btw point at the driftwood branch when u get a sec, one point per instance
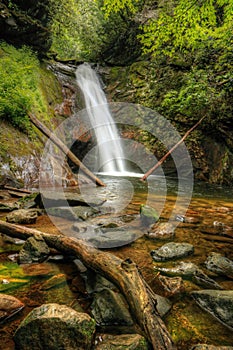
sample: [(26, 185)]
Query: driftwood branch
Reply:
[(65, 149), (123, 273), (160, 162)]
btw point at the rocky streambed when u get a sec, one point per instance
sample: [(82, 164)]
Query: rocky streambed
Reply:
[(187, 261)]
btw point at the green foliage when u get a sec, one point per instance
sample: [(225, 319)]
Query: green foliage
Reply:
[(116, 6), (77, 30), (188, 26), (19, 94)]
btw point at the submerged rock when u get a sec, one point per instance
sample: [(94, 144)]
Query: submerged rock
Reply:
[(79, 213), (219, 264), (59, 199), (114, 237), (9, 306), (171, 285), (217, 303), (148, 215), (22, 216), (34, 250), (53, 327), (191, 272), (121, 342), (161, 231), (172, 250)]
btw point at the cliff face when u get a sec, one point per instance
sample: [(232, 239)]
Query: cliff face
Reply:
[(25, 23)]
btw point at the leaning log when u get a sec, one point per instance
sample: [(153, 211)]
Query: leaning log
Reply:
[(65, 149), (124, 274)]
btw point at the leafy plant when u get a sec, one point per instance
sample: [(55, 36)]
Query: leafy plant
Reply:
[(19, 92)]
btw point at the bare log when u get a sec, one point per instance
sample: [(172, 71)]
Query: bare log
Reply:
[(65, 149), (160, 162), (123, 273)]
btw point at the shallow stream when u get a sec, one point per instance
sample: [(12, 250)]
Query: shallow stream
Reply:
[(58, 280)]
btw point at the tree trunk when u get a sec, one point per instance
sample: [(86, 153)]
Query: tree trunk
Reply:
[(124, 274), (65, 149)]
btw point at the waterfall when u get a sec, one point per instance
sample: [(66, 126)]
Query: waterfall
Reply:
[(110, 152)]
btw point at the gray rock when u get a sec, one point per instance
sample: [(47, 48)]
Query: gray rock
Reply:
[(148, 215), (115, 237), (122, 342), (172, 250), (79, 213), (34, 250), (217, 303), (109, 308), (163, 305), (22, 216), (219, 264), (59, 199), (9, 306), (161, 231), (191, 272), (210, 347), (53, 327)]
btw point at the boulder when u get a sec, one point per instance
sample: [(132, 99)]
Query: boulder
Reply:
[(79, 213), (9, 306), (189, 271), (148, 215), (217, 303), (109, 308), (61, 199), (122, 342), (161, 231), (22, 216), (34, 250), (172, 250), (53, 326), (219, 264)]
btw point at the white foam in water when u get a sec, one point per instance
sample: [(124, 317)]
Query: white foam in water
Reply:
[(120, 173)]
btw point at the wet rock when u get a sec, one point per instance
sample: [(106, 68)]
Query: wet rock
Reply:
[(191, 272), (163, 305), (22, 216), (109, 308), (210, 347), (12, 240), (54, 326), (171, 285), (121, 342), (219, 264), (54, 281), (148, 215), (188, 219), (79, 213), (9, 206), (9, 306), (34, 250), (217, 303), (172, 250), (115, 237), (161, 231), (59, 199)]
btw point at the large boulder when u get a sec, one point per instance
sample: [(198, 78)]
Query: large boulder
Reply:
[(34, 250), (53, 327)]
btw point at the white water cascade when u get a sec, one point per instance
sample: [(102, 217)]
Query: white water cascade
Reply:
[(110, 152)]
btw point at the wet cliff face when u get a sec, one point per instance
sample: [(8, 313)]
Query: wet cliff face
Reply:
[(210, 145), (25, 23)]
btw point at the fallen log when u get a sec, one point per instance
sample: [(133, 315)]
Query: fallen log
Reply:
[(65, 149), (124, 274), (160, 162)]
